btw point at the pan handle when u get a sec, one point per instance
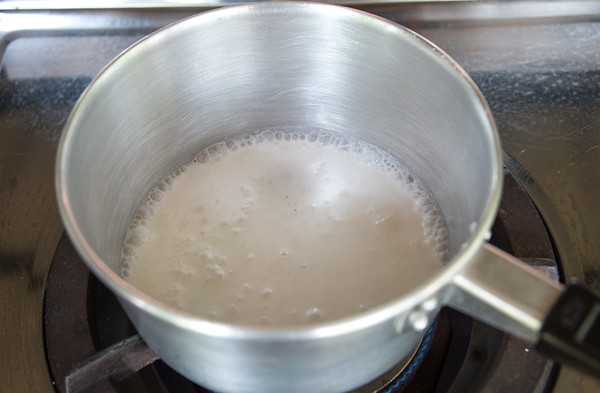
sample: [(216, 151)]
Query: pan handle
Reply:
[(571, 332), (563, 323)]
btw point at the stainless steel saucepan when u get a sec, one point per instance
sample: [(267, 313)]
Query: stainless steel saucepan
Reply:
[(303, 66)]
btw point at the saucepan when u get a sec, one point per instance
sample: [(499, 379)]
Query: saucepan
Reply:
[(304, 66)]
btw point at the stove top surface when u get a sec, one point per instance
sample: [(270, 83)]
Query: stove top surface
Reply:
[(536, 63)]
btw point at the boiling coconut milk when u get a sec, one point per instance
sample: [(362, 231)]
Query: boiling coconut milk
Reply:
[(284, 229)]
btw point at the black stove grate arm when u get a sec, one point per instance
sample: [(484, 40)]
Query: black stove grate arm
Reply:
[(115, 363)]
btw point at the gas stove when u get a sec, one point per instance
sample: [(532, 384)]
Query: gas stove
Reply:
[(537, 65)]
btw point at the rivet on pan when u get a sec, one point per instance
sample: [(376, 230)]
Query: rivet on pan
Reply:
[(419, 320), (429, 304)]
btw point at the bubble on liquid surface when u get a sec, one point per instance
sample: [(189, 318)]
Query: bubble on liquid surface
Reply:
[(136, 236), (267, 292), (314, 314), (183, 267)]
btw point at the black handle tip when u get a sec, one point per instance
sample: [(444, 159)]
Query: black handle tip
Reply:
[(571, 331)]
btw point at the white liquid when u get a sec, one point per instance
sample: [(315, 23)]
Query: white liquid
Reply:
[(267, 230)]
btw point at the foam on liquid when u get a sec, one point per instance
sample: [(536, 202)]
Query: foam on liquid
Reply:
[(284, 229)]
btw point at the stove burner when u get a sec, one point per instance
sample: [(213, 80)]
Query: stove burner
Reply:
[(92, 347)]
